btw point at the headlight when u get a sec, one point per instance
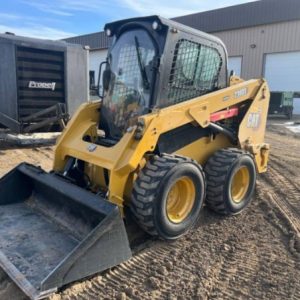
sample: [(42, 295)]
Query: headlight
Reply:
[(155, 25)]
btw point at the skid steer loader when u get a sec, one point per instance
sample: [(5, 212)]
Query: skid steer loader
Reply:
[(171, 132)]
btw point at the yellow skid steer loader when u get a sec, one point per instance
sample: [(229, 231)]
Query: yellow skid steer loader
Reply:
[(172, 131)]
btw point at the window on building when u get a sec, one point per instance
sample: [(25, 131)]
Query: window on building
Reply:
[(235, 65), (92, 79), (194, 72)]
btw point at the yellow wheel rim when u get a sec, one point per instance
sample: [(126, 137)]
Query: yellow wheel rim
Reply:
[(180, 199), (240, 184)]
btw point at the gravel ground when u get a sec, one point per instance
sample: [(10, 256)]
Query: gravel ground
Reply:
[(254, 255)]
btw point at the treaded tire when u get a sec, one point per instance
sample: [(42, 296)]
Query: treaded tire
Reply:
[(150, 192), (220, 170)]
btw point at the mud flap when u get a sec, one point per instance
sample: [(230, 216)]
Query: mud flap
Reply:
[(53, 232)]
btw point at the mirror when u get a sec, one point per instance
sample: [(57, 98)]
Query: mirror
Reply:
[(100, 76), (106, 77)]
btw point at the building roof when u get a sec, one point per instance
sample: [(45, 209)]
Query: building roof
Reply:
[(243, 15), (23, 40), (228, 18), (97, 40)]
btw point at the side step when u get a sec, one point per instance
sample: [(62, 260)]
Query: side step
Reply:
[(53, 232)]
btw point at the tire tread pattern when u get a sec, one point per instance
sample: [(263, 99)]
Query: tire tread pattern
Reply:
[(216, 170), (146, 186)]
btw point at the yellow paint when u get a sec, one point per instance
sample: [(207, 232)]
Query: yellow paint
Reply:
[(201, 114), (240, 184), (252, 129), (180, 199), (124, 160), (203, 148)]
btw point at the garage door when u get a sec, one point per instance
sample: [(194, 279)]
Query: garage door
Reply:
[(282, 71), (297, 106), (235, 64)]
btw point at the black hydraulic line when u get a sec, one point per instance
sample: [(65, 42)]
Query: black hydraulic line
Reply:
[(218, 128)]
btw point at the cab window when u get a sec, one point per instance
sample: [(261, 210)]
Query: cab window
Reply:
[(195, 71)]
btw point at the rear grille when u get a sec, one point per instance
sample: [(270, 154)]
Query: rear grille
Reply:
[(40, 80)]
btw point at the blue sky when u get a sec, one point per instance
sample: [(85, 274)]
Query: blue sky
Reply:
[(56, 19)]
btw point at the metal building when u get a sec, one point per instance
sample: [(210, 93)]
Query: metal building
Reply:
[(262, 38), (41, 80)]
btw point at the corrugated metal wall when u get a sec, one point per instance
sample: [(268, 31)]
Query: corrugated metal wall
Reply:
[(272, 38), (279, 37)]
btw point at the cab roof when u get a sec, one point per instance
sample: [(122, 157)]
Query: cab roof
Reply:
[(116, 26)]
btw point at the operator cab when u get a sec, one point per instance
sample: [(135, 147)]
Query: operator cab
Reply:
[(194, 64)]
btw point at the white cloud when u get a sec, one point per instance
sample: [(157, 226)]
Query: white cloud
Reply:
[(60, 10), (48, 8), (69, 7), (170, 9), (9, 17), (162, 8), (32, 26), (37, 31), (117, 9)]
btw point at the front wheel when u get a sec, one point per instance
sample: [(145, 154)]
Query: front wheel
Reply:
[(231, 178), (289, 113), (168, 195)]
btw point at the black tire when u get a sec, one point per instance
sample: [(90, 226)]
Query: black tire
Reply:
[(151, 190), (220, 170), (289, 113)]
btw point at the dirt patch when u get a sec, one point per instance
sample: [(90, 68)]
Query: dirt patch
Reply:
[(242, 257), (254, 255), (281, 126), (39, 156), (8, 290)]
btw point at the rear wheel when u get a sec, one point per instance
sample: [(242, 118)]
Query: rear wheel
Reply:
[(168, 195), (231, 177), (289, 113)]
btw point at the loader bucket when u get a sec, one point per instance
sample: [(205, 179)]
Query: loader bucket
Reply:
[(52, 232)]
